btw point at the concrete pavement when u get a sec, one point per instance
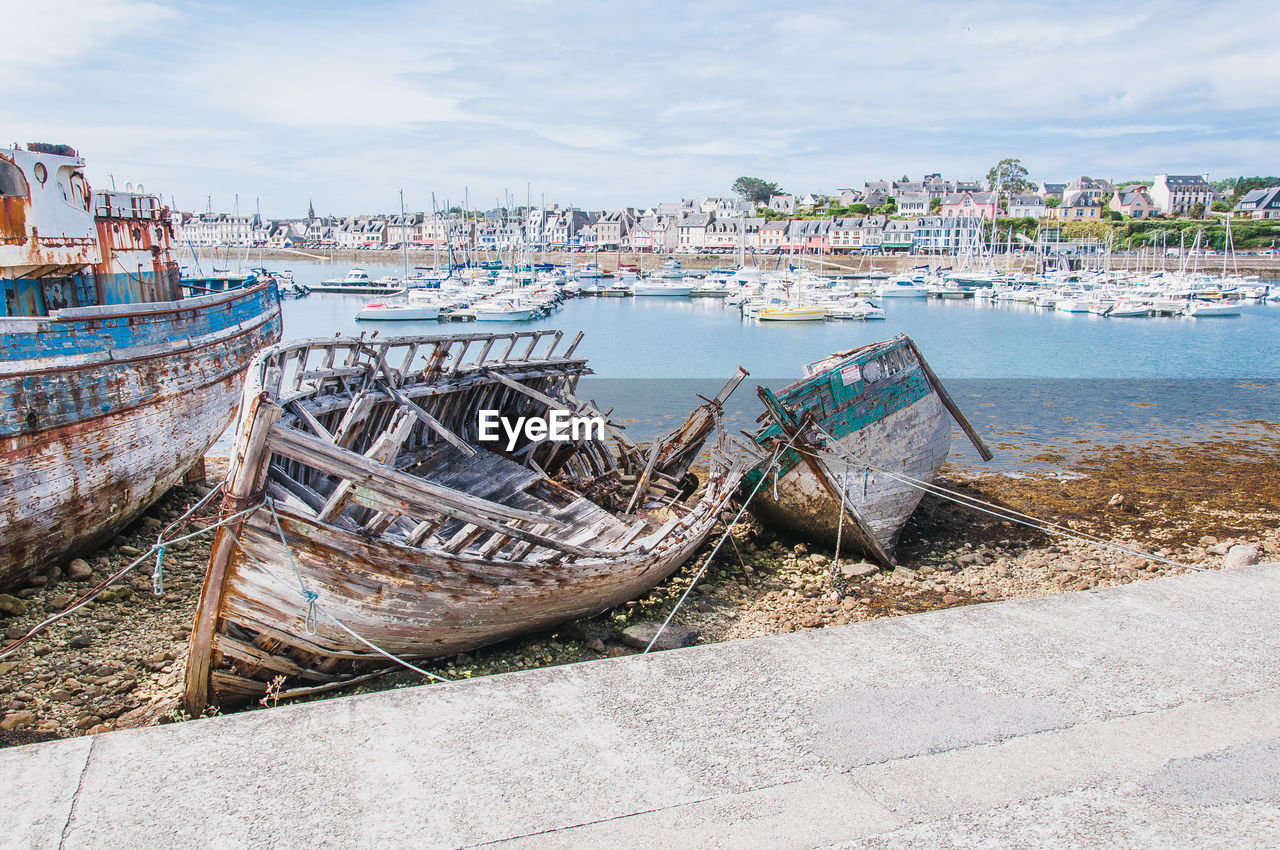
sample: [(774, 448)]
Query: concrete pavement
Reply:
[(1135, 716)]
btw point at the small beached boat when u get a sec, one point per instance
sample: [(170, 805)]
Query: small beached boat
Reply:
[(412, 532), (865, 427), (112, 385)]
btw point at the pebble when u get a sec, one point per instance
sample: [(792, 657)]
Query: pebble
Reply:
[(861, 569), (79, 570), (1240, 555), (950, 599), (88, 721), (17, 720), (12, 606), (81, 642), (673, 636), (1218, 549)]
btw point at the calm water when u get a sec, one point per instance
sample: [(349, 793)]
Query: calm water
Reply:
[(1023, 376)]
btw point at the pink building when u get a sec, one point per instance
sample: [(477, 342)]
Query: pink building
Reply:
[(970, 205)]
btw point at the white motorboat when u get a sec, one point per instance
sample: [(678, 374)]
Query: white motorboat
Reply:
[(382, 311), (358, 282), (503, 310), (661, 287), (904, 287), (1205, 309)]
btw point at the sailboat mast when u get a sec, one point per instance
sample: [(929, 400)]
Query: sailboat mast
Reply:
[(404, 238)]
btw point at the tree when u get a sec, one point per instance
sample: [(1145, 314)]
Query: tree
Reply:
[(935, 205), (1244, 185), (755, 190), (1221, 206), (1053, 203), (1197, 210), (859, 209), (1010, 175)]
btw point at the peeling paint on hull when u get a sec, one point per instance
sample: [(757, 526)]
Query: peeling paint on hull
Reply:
[(881, 408), (96, 429)]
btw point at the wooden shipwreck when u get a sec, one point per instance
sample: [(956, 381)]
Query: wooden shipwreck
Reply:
[(112, 385), (376, 500), (862, 431)]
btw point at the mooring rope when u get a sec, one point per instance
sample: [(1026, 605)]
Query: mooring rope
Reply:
[(764, 475), (157, 549), (998, 511)]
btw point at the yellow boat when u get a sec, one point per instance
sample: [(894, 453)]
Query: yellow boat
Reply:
[(792, 313)]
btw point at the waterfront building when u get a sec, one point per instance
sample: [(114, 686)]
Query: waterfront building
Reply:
[(872, 232), (692, 233), (772, 235), (898, 236), (1176, 194), (1133, 201), (1260, 204), (1079, 209), (1095, 190), (783, 204), (913, 203), (613, 227), (947, 235), (722, 234), (1051, 191), (1026, 206), (845, 235), (404, 228), (967, 204)]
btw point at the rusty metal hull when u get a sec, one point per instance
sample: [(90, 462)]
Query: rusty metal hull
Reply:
[(103, 409), (853, 433), (411, 532)]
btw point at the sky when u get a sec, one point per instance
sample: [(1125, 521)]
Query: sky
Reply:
[(603, 105)]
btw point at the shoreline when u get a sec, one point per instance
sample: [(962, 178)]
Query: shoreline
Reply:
[(120, 662), (1266, 267)]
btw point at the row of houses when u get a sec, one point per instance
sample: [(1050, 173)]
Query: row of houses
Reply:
[(692, 225)]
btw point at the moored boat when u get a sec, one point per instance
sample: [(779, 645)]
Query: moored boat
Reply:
[(791, 313), (383, 518), (112, 385), (661, 287), (358, 282), (390, 311), (862, 431)]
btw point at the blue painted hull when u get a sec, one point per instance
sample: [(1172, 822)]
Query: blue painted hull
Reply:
[(102, 409)]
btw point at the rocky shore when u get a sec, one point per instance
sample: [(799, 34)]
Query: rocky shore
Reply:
[(119, 662)]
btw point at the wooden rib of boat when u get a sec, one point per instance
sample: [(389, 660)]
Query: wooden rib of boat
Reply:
[(854, 416), (112, 386), (414, 533)]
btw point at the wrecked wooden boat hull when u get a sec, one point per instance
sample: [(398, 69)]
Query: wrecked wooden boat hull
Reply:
[(111, 385), (95, 426), (859, 424), (373, 492)]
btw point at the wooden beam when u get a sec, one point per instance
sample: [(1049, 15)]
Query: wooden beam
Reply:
[(430, 421)]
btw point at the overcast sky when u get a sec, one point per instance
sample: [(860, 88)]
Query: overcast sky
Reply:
[(611, 104)]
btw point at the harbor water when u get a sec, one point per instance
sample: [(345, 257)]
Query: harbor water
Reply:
[(1025, 377)]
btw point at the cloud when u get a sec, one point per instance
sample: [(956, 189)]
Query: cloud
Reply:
[(601, 105)]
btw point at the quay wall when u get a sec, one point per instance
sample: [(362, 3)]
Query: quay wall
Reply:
[(1266, 267)]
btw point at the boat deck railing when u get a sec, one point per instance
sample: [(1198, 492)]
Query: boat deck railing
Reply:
[(287, 369)]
